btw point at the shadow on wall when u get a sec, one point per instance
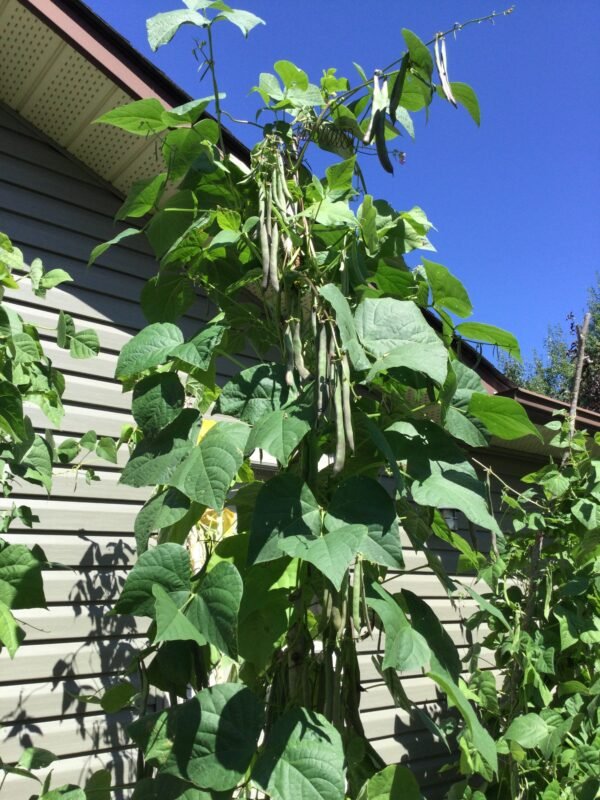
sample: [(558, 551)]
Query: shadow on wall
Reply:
[(90, 663)]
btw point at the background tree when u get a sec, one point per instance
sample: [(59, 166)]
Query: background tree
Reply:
[(551, 371)]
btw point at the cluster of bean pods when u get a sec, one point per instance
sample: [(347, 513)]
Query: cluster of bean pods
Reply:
[(333, 391), (274, 201)]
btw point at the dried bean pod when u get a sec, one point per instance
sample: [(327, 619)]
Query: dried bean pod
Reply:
[(346, 402), (322, 389)]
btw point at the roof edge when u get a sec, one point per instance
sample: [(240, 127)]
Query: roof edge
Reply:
[(114, 56), (541, 408)]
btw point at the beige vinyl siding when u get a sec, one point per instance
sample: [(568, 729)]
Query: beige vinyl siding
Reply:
[(55, 209)]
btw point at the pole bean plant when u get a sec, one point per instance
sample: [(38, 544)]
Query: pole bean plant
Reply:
[(354, 376), (261, 586)]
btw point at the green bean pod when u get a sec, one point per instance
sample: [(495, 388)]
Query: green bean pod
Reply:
[(346, 402), (322, 392), (274, 258), (264, 239), (357, 596), (289, 356), (298, 356), (340, 443)]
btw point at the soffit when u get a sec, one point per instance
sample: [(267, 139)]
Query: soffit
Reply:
[(58, 91)]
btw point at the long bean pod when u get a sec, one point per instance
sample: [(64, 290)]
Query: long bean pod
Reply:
[(274, 257), (357, 596), (346, 402), (340, 434), (322, 392), (289, 356), (264, 238), (298, 356)]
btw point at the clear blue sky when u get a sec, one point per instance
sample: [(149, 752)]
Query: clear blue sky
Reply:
[(515, 202)]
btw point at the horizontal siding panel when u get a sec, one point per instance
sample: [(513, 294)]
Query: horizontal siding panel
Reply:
[(64, 515), (80, 549), (69, 484), (77, 622), (76, 770), (40, 662), (78, 420), (68, 736), (83, 586), (48, 698)]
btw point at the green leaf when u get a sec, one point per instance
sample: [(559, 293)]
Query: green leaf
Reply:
[(587, 512), (198, 351), (488, 607), (480, 332), (448, 487), (106, 448), (11, 635), (447, 291), (502, 416), (190, 112), (339, 179), (151, 347), (166, 565), (84, 344), (419, 53), (461, 427), (172, 625), (157, 401), (363, 501), (396, 332), (481, 738), (253, 393), (331, 554), (444, 657), (303, 758), (162, 27), (167, 296), (215, 607), (21, 584), (51, 279), (405, 648), (38, 463), (117, 697), (142, 197), (244, 20), (285, 506), (465, 95), (36, 758), (102, 248), (392, 783), (208, 471), (155, 460), (11, 411), (279, 433), (142, 117), (346, 325), (65, 328), (164, 509), (183, 147), (529, 730), (97, 786), (215, 736)]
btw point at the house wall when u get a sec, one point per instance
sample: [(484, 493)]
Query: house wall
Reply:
[(53, 208)]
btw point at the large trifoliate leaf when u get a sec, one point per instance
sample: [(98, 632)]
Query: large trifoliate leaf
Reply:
[(346, 325), (285, 506), (208, 471), (447, 291), (21, 584), (331, 554), (498, 337), (161, 28), (215, 607), (528, 730), (502, 416), (405, 647), (140, 117), (151, 347), (198, 352), (461, 427), (253, 393), (215, 736), (155, 460), (163, 509), (444, 656), (172, 625), (166, 565), (157, 401), (279, 433), (303, 758), (364, 501), (397, 334), (392, 783)]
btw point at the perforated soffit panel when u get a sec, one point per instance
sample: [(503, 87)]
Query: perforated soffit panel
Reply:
[(58, 91)]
